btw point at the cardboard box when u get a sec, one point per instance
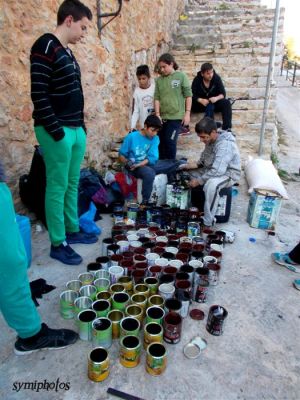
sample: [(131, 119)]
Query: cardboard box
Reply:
[(263, 209)]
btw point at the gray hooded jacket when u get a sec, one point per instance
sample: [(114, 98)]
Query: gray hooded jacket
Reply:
[(221, 158)]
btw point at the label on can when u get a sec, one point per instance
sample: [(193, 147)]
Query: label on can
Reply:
[(201, 293), (193, 229)]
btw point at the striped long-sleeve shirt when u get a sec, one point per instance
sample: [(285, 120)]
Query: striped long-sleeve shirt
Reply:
[(56, 89)]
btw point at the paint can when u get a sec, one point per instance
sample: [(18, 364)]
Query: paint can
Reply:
[(172, 325), (201, 293), (214, 274), (106, 295), (104, 261), (113, 249), (98, 364), (185, 298), (93, 267), (139, 299), (188, 269), (102, 307), (153, 332), (115, 272), (152, 284), (130, 351), (81, 303), (102, 284), (124, 245), (155, 314), (106, 242), (116, 259), (120, 301), (101, 273), (89, 291), (116, 288), (141, 288), (127, 282), (102, 332), (86, 278), (85, 320), (156, 300), (115, 316), (136, 311), (156, 359), (67, 299), (193, 229), (173, 305), (132, 210), (75, 285), (215, 320), (166, 290), (129, 326)]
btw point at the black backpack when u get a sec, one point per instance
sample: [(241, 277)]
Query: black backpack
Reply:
[(32, 186)]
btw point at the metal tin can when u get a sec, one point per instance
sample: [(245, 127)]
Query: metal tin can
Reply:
[(139, 299), (102, 307), (106, 295), (132, 210), (74, 285), (156, 300), (102, 332), (133, 310), (98, 364), (67, 299), (130, 351), (129, 326), (127, 282), (193, 229), (89, 291), (81, 303), (142, 288), (85, 320), (201, 292), (156, 359), (153, 332), (102, 284), (172, 327), (215, 320), (155, 314), (120, 301), (152, 284), (86, 278), (115, 317)]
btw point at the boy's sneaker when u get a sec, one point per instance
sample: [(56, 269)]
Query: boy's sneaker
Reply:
[(46, 339), (284, 259), (81, 237), (65, 254)]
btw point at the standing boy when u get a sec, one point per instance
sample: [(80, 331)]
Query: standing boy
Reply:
[(172, 102), (58, 102), (143, 97), (209, 95)]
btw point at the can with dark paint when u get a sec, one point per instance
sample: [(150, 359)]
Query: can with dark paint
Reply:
[(172, 325), (98, 364), (201, 293), (215, 320)]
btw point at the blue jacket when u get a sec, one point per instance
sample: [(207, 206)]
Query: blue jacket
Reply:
[(137, 148)]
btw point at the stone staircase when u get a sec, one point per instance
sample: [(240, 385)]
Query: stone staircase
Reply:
[(235, 36)]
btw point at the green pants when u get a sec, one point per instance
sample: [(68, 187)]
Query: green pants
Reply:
[(62, 160), (16, 304)]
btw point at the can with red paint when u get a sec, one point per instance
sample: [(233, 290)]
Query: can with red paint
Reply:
[(172, 325), (215, 320)]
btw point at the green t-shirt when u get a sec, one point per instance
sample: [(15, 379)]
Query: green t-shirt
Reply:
[(171, 92)]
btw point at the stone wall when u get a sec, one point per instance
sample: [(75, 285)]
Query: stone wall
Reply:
[(141, 32)]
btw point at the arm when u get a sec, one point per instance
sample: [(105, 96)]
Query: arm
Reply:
[(156, 101), (223, 155), (41, 72), (187, 93), (136, 113), (198, 95), (220, 89)]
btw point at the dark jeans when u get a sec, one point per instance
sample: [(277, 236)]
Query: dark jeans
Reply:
[(223, 106), (147, 174), (168, 136), (295, 254)]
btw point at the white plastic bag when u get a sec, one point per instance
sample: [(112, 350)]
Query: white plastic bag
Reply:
[(261, 174)]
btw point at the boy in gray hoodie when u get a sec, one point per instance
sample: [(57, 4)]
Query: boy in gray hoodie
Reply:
[(219, 166)]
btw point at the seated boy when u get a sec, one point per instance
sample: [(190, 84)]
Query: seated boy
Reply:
[(219, 167), (139, 153)]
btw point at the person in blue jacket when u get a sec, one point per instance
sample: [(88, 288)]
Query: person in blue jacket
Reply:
[(139, 154)]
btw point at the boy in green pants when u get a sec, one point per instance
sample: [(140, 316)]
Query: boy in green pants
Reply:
[(16, 303), (58, 102)]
